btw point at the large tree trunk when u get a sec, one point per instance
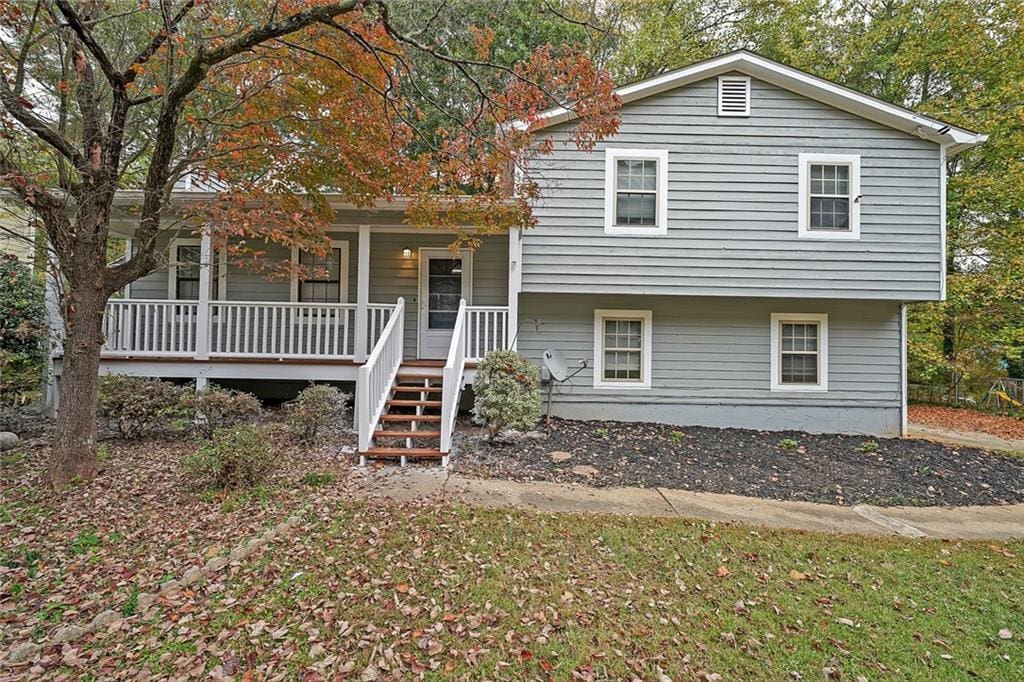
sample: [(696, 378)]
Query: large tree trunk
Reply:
[(74, 443)]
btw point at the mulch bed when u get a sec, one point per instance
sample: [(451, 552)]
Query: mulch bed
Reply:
[(830, 468), (966, 419)]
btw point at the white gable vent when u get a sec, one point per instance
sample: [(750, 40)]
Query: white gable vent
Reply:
[(733, 96)]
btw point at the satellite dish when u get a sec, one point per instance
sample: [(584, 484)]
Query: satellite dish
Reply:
[(555, 363)]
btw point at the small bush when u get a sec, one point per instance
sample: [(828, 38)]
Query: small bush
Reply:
[(237, 457), (788, 444), (22, 332), (316, 479), (135, 406), (217, 408), (507, 392), (601, 432), (868, 446), (314, 408), (676, 436)]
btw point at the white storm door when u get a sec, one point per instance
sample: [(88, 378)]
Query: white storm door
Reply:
[(445, 278)]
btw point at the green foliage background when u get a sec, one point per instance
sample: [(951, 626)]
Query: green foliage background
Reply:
[(22, 332)]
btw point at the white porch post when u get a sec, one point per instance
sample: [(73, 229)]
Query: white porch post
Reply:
[(362, 294), (515, 282), (203, 308)]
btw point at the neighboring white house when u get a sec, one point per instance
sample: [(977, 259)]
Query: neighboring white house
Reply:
[(740, 254), (17, 235)]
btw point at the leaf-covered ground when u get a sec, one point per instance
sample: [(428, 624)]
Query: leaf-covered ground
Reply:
[(142, 521), (965, 419), (387, 591), (437, 591), (784, 465)]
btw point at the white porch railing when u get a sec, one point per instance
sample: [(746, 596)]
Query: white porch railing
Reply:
[(244, 329), (486, 330), (377, 375), (150, 327), (296, 330), (377, 317), (454, 366)]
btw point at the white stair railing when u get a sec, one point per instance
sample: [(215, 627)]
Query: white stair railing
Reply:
[(454, 366), (377, 375)]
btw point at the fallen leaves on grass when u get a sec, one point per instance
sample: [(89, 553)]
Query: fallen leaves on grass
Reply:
[(967, 420)]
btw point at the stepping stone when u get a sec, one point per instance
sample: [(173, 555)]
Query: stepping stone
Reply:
[(585, 470), (560, 456)]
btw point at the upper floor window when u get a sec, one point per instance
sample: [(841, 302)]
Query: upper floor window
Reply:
[(829, 187), (636, 191)]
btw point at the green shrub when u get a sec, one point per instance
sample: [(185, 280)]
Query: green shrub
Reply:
[(314, 408), (868, 446), (788, 444), (217, 408), (237, 457), (22, 332), (136, 406), (507, 392)]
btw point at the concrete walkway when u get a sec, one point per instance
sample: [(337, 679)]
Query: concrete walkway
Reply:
[(973, 439), (969, 523)]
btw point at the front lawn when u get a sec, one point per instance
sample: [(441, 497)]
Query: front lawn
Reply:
[(379, 591)]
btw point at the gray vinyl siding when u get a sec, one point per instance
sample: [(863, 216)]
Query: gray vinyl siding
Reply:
[(391, 276), (732, 206), (711, 362)]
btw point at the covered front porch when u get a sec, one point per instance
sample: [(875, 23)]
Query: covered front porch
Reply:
[(387, 302), (202, 308)]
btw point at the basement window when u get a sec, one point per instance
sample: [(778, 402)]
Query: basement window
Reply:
[(799, 345)]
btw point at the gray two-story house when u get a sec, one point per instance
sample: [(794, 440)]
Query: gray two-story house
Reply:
[(741, 253)]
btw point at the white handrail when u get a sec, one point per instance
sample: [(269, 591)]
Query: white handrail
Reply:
[(454, 367), (377, 375)]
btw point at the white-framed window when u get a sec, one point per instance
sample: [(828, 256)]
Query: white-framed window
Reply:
[(734, 96), (327, 280), (184, 259), (636, 191), (622, 349), (799, 352), (829, 196)]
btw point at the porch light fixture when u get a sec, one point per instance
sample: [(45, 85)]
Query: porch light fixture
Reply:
[(407, 253)]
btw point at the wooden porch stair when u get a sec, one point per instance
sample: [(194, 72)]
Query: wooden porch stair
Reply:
[(409, 428)]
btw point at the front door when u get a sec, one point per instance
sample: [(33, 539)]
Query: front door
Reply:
[(444, 279)]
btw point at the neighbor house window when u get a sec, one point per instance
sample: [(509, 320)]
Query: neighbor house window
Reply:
[(636, 191), (799, 344), (829, 187), (622, 348), (325, 275)]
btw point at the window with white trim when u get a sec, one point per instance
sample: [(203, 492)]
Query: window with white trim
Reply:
[(799, 346), (326, 275), (636, 191), (622, 348), (185, 265), (829, 195)]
